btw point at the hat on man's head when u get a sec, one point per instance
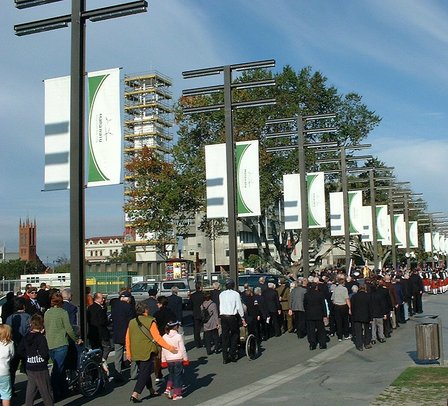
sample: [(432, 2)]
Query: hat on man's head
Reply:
[(125, 293)]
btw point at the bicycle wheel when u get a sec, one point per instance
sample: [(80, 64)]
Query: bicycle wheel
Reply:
[(251, 347), (90, 379)]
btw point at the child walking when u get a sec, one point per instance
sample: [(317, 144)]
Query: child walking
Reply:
[(34, 349), (6, 354), (174, 362)]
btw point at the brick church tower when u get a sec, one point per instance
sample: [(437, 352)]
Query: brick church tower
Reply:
[(27, 240)]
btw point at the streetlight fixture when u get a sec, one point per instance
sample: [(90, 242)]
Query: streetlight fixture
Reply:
[(78, 17), (229, 106)]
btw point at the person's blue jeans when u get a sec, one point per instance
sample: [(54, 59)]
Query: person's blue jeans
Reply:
[(58, 381), (175, 370)]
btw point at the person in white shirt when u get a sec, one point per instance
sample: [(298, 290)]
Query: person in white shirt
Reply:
[(231, 311)]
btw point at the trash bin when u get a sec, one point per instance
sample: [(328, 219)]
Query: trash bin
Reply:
[(427, 338)]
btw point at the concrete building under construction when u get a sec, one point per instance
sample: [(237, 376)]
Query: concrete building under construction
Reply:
[(148, 121)]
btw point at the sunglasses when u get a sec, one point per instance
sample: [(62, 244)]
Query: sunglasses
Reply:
[(33, 293)]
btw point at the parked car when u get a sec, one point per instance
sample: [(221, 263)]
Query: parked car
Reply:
[(2, 302), (140, 289), (252, 279)]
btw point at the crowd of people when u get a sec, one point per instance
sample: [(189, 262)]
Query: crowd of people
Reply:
[(42, 325)]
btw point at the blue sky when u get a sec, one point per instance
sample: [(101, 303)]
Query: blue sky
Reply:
[(393, 53)]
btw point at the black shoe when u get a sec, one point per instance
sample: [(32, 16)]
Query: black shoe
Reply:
[(382, 340), (373, 342), (312, 347), (359, 348), (368, 346), (225, 361), (135, 400), (322, 347)]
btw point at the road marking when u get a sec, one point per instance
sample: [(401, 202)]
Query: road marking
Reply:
[(248, 392)]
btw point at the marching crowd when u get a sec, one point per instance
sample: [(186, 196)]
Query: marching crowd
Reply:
[(42, 324)]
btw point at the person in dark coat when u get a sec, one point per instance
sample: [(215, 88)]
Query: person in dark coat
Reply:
[(361, 318), (196, 299), (151, 302), (97, 322), (175, 304), (8, 307), (273, 308), (259, 303), (215, 294), (417, 289), (71, 309), (122, 312), (315, 315), (378, 308), (43, 297), (32, 305)]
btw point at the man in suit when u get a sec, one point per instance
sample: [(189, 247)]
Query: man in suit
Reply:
[(71, 309), (122, 312), (361, 318), (315, 315), (273, 308), (32, 305), (97, 321), (175, 303), (43, 296), (196, 299)]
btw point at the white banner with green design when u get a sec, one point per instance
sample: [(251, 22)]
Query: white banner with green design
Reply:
[(382, 225), (336, 214), (436, 241), (442, 248), (315, 183), (355, 212), (367, 235), (427, 242), (413, 234), (247, 178), (104, 128), (57, 133), (400, 231)]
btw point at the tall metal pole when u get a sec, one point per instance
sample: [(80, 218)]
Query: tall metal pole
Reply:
[(432, 243), (346, 208), (406, 224), (374, 225), (77, 232), (392, 229), (231, 181), (303, 198)]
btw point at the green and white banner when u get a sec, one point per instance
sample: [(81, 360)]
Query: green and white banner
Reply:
[(382, 225), (336, 214), (400, 231), (355, 212), (442, 248), (57, 133), (316, 200), (427, 242), (104, 128), (413, 234), (436, 241), (247, 178), (367, 235)]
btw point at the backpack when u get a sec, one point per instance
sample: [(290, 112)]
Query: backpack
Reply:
[(205, 314)]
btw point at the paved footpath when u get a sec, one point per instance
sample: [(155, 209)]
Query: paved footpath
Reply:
[(288, 373)]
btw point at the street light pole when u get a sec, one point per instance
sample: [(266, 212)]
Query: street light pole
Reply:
[(374, 225)]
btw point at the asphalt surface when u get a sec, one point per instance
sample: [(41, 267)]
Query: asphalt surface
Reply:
[(287, 372)]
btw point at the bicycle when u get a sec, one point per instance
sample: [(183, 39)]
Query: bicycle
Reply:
[(91, 373)]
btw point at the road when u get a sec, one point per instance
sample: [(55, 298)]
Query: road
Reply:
[(287, 372)]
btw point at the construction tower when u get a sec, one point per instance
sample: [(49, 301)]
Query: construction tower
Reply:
[(148, 120)]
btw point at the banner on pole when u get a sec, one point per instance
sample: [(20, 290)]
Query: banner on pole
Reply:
[(291, 201), (400, 231), (427, 241), (57, 133), (104, 128), (367, 234), (355, 212), (382, 224), (413, 234), (436, 241), (247, 178), (315, 182), (336, 214)]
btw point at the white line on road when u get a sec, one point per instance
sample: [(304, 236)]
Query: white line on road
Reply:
[(248, 392)]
